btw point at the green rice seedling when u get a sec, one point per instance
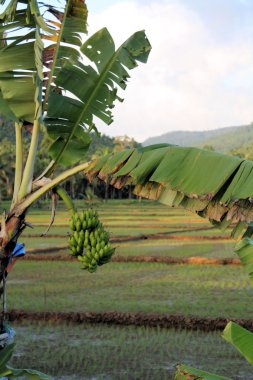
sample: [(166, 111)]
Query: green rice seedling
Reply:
[(115, 352)]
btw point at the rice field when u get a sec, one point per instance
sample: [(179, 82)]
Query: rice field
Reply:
[(117, 352), (201, 290), (133, 218), (86, 352)]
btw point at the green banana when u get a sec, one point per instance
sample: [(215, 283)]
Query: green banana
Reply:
[(89, 241)]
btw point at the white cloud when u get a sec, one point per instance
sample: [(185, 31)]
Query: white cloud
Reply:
[(191, 81)]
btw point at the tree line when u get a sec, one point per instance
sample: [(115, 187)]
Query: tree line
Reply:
[(78, 185)]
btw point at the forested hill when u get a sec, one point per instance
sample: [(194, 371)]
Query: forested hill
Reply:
[(233, 140), (222, 139)]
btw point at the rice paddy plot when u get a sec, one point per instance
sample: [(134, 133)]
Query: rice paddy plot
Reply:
[(147, 247), (40, 229), (129, 218), (43, 242), (175, 248), (85, 352), (216, 291)]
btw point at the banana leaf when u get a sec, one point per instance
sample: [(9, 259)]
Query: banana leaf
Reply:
[(17, 64), (214, 185), (238, 336), (71, 24), (42, 72), (244, 249), (23, 58), (189, 373), (241, 339), (88, 92), (11, 373)]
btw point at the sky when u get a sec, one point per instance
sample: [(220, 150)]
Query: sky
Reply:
[(199, 75)]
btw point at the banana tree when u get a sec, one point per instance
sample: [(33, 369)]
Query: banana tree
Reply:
[(213, 185), (54, 81)]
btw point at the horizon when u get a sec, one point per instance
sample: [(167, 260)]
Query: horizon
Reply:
[(198, 131)]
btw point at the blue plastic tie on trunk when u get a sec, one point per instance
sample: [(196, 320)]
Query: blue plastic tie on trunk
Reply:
[(19, 250)]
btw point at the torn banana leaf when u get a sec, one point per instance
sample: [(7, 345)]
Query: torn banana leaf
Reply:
[(214, 185)]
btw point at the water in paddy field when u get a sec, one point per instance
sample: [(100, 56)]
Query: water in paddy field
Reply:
[(96, 352)]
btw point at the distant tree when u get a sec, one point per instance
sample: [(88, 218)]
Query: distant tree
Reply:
[(208, 147), (245, 152), (124, 142), (101, 145)]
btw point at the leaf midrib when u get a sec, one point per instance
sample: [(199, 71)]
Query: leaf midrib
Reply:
[(91, 98)]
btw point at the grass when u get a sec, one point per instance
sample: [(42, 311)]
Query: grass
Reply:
[(71, 352), (218, 291)]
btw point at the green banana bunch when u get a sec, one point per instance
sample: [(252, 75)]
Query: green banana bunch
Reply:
[(89, 241)]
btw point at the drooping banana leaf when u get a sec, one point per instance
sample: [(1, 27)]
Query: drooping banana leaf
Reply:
[(11, 373), (87, 92), (214, 185)]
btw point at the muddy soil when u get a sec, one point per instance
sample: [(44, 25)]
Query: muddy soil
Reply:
[(126, 319), (139, 259), (178, 229)]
